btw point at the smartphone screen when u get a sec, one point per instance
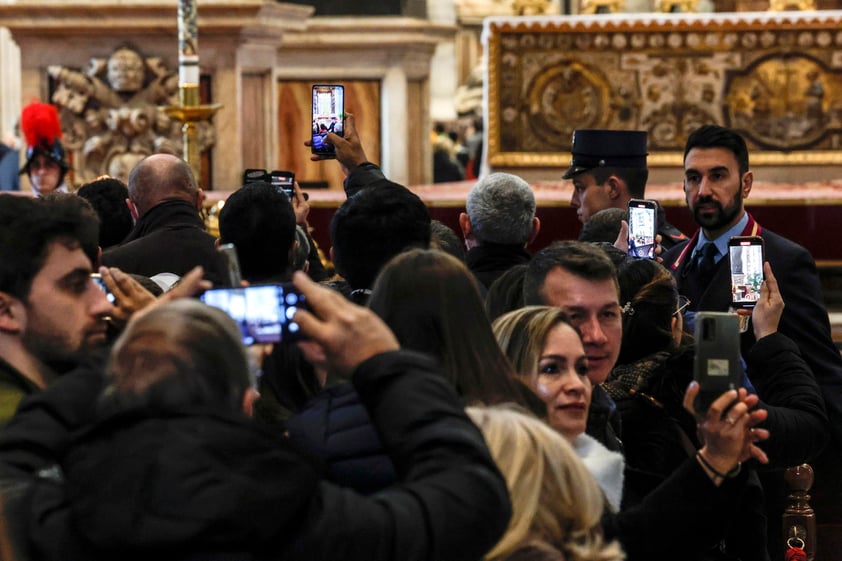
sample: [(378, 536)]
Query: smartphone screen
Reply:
[(746, 264), (643, 220), (717, 366), (283, 181), (328, 116), (264, 313), (97, 278)]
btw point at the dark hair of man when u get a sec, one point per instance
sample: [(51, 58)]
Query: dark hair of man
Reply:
[(652, 297), (108, 198), (27, 228), (714, 136), (579, 258), (506, 293), (65, 205), (153, 181), (604, 226), (635, 178), (374, 225), (180, 355), (432, 303), (442, 237), (259, 220)]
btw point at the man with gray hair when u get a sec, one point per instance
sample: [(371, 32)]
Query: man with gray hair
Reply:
[(499, 223)]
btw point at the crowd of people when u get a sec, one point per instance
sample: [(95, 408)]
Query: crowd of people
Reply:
[(451, 399)]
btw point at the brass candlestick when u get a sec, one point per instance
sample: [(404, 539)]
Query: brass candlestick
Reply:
[(190, 112)]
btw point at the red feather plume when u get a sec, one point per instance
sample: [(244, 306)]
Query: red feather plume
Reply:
[(40, 124)]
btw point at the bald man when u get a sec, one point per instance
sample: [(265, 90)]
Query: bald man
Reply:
[(169, 235)]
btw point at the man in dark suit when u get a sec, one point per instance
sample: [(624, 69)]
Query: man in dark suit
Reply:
[(717, 180)]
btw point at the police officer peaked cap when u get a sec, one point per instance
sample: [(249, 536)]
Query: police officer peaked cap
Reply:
[(593, 148)]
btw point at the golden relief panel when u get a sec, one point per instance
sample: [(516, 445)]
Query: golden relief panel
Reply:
[(776, 78)]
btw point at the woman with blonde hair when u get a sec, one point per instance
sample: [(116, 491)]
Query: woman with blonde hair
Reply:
[(556, 504), (547, 354)]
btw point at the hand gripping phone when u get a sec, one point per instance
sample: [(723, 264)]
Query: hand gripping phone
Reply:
[(717, 367), (745, 255), (643, 225), (264, 312), (328, 114)]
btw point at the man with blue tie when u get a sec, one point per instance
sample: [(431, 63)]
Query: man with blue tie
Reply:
[(717, 180)]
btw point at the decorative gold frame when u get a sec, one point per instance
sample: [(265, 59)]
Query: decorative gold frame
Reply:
[(547, 76), (593, 6)]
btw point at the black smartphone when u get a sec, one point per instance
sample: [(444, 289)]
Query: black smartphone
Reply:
[(283, 181), (717, 366), (264, 313), (232, 264), (97, 278), (328, 116), (745, 255), (643, 225)]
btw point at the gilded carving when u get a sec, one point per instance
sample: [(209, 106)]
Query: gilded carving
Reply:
[(112, 112), (778, 79)]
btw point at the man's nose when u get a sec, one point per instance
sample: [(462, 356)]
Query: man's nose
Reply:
[(592, 331)]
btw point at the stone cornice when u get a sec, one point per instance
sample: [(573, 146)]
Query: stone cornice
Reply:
[(364, 32), (61, 18)]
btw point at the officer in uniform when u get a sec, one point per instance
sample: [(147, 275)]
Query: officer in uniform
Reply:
[(608, 169)]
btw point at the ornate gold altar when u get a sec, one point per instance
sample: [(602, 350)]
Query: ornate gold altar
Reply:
[(775, 77)]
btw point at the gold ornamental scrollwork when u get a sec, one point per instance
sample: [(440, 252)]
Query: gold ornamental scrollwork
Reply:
[(777, 78)]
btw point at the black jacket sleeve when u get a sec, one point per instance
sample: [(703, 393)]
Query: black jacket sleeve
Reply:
[(797, 421), (362, 176), (451, 502), (41, 431), (686, 514)]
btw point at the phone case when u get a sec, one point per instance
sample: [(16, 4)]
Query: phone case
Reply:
[(717, 367)]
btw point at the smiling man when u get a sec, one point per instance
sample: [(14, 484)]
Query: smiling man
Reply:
[(51, 312)]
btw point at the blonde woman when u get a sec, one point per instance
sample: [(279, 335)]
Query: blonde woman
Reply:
[(556, 504), (547, 354)]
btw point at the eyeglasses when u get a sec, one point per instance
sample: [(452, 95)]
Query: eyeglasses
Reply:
[(683, 302)]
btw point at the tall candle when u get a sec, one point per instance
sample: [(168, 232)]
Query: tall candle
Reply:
[(188, 44)]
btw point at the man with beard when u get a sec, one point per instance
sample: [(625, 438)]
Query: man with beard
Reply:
[(717, 180), (51, 311)]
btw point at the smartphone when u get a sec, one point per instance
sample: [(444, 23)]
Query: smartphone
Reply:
[(717, 367), (328, 116), (643, 225), (97, 278), (746, 263), (232, 264), (283, 181), (264, 313)]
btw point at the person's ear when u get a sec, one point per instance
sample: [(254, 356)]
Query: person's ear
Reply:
[(615, 189), (748, 181), (249, 397), (200, 199), (536, 227), (12, 314), (132, 209), (465, 225), (98, 263)]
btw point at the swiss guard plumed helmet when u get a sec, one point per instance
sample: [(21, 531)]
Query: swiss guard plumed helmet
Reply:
[(40, 125), (593, 148)]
